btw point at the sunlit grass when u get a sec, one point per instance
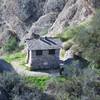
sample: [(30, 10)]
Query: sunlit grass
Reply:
[(41, 82), (18, 57)]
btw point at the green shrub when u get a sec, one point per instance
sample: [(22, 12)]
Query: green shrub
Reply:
[(40, 82), (70, 32), (17, 89), (68, 44), (62, 53), (60, 88), (64, 89), (11, 44), (89, 39), (18, 56), (76, 88)]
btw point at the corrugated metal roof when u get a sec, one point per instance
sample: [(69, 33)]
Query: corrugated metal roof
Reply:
[(43, 43)]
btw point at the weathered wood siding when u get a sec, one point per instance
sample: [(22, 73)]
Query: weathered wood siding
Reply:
[(44, 61)]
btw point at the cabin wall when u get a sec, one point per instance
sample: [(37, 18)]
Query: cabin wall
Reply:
[(30, 58), (44, 61)]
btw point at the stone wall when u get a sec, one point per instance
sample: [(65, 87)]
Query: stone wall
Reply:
[(45, 61)]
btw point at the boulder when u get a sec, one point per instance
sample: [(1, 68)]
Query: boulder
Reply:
[(5, 67)]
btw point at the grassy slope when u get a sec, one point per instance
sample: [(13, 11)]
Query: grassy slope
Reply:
[(41, 82), (16, 57)]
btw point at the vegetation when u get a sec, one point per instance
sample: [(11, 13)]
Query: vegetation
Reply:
[(69, 35), (40, 82), (75, 88), (90, 41), (85, 37), (11, 44), (71, 31), (62, 53), (16, 57), (83, 87), (15, 87)]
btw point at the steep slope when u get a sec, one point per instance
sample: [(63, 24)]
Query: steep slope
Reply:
[(52, 8), (20, 14), (73, 12), (24, 17)]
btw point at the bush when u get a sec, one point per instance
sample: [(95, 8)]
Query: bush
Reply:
[(68, 44), (18, 89), (84, 87), (89, 39), (11, 44), (15, 87), (64, 89), (70, 32), (40, 82), (18, 57)]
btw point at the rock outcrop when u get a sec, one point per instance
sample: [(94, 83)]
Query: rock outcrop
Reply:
[(20, 14), (70, 12), (43, 24), (42, 16), (52, 8), (73, 13), (5, 67)]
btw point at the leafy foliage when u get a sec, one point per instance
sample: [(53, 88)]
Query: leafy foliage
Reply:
[(40, 82), (11, 44), (16, 57), (70, 32), (89, 39), (85, 86), (16, 88)]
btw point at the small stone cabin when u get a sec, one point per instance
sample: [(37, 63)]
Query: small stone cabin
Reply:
[(43, 53)]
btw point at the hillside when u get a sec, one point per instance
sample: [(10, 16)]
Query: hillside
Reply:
[(76, 23), (24, 17)]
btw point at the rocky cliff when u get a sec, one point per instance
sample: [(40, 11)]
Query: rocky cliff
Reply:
[(25, 17)]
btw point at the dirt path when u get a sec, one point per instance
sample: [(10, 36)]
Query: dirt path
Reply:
[(22, 71)]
